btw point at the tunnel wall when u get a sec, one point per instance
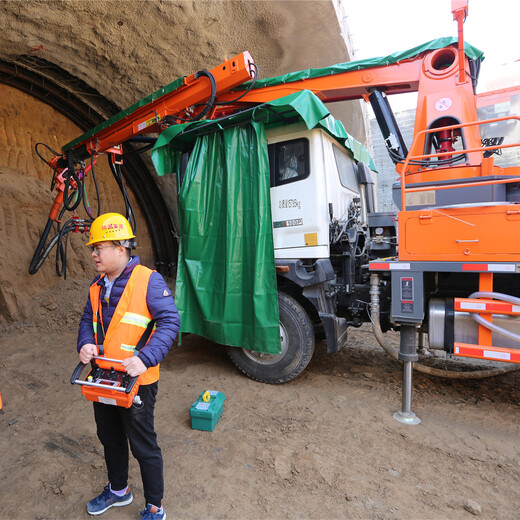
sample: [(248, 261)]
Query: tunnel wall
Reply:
[(26, 199)]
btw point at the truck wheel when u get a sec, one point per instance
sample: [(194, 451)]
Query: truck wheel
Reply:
[(297, 338)]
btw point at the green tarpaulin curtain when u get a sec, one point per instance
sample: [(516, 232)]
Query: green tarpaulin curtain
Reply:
[(226, 278), (304, 105)]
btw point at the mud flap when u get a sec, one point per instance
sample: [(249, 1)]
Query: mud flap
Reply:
[(335, 332)]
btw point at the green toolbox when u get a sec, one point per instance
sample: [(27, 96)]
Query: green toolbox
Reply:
[(206, 410)]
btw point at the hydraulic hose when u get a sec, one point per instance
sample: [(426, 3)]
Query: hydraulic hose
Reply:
[(149, 144), (207, 106), (38, 258), (41, 253), (129, 211), (211, 102), (78, 179), (438, 372)]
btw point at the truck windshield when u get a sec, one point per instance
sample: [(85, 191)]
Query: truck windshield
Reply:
[(346, 169)]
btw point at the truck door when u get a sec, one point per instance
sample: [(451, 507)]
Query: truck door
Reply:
[(300, 227)]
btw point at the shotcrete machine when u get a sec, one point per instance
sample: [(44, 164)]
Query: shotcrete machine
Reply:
[(444, 267)]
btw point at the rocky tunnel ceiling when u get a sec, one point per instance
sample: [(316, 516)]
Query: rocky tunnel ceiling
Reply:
[(87, 60)]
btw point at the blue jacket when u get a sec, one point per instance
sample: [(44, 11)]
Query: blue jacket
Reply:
[(160, 303)]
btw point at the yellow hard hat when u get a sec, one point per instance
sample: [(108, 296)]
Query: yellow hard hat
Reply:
[(108, 227)]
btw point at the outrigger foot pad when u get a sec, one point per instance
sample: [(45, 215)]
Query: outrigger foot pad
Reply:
[(406, 417)]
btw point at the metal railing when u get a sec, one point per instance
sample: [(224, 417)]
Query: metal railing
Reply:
[(410, 157)]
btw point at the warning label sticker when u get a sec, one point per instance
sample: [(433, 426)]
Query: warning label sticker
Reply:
[(407, 295)]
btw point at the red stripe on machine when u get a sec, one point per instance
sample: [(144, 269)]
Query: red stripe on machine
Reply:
[(494, 268), (374, 266), (474, 267)]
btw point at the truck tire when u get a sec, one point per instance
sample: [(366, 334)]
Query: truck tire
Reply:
[(297, 338)]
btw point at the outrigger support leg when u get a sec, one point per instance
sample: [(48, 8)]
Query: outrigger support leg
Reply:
[(407, 354)]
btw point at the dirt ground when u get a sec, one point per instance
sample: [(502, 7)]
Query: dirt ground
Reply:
[(324, 446)]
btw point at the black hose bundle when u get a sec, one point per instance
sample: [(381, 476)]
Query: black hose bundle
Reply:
[(73, 194), (76, 179), (129, 211), (207, 106)]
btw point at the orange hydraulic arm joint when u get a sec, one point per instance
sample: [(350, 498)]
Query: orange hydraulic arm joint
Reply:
[(196, 90)]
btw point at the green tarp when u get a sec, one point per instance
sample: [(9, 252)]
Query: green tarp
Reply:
[(472, 52), (226, 280), (302, 106)]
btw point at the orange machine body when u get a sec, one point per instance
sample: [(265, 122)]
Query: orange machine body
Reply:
[(482, 233)]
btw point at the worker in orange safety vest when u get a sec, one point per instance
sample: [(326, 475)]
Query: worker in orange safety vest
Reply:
[(126, 300)]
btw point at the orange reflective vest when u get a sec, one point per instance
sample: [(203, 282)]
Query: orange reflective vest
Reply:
[(129, 322)]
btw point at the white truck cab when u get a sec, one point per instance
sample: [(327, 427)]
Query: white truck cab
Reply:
[(311, 174)]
